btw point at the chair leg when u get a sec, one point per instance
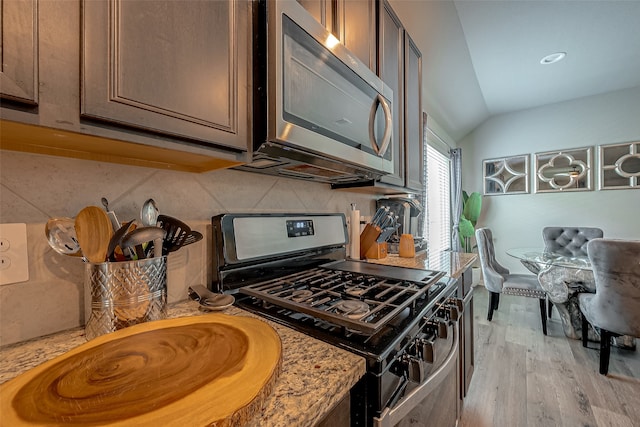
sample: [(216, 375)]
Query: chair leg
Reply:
[(496, 302), (543, 314), (549, 308), (605, 351), (492, 304), (585, 330)]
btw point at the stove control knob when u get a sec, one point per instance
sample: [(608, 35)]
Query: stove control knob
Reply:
[(453, 312), (439, 326), (427, 349), (415, 370), (457, 302)]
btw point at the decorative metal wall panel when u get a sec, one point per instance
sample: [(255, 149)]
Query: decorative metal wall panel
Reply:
[(506, 175), (567, 170), (620, 166)]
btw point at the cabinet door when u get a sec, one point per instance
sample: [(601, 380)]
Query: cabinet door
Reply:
[(414, 146), (391, 45), (355, 26), (169, 67), (353, 22), (439, 408), (19, 50), (320, 10), (467, 332), (469, 344)]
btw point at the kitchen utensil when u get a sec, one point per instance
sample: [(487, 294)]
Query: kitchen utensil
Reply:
[(136, 238), (111, 214), (386, 221), (149, 213), (176, 233), (94, 231), (379, 215), (61, 236), (116, 240), (209, 300), (191, 237), (386, 234)]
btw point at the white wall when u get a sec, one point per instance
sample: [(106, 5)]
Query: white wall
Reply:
[(517, 220)]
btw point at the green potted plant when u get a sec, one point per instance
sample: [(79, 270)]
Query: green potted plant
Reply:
[(471, 206)]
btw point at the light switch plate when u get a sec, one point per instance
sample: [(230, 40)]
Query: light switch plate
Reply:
[(14, 262)]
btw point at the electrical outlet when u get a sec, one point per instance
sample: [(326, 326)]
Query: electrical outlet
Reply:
[(14, 262)]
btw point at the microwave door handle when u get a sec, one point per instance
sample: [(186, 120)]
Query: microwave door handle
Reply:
[(386, 136)]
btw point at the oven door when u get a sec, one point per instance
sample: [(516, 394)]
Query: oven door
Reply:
[(321, 98), (435, 397)]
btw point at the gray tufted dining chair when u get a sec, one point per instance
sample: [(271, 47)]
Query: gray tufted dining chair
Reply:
[(498, 279), (615, 307), (569, 241)]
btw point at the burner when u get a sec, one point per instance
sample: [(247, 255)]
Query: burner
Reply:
[(353, 309), (356, 291), (338, 297), (301, 295)]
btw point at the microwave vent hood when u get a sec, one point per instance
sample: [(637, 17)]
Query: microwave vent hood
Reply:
[(319, 113), (275, 159)]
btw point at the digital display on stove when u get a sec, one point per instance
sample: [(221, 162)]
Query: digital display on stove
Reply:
[(300, 227)]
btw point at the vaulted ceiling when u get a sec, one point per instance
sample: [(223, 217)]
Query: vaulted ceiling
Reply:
[(482, 58)]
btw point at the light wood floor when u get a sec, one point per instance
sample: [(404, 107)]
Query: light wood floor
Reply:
[(523, 378)]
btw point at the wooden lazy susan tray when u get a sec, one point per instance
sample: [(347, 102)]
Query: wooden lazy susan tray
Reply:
[(214, 369)]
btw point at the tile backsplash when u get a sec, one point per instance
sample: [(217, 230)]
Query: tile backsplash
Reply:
[(34, 188)]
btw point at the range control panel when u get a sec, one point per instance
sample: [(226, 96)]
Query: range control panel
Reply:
[(297, 228)]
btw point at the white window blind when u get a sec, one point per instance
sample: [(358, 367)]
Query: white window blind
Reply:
[(438, 205)]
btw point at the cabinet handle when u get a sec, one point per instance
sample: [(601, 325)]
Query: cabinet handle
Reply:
[(386, 136)]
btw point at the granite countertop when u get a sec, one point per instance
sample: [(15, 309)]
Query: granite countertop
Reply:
[(452, 263), (315, 376)]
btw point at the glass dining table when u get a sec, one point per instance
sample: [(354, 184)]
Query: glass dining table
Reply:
[(563, 277)]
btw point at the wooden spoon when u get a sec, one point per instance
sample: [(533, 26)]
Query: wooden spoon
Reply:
[(94, 231)]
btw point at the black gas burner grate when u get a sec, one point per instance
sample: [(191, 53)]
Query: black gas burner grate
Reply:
[(360, 302)]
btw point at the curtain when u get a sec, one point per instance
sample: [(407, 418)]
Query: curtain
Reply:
[(456, 196)]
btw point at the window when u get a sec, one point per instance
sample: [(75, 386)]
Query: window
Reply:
[(437, 224)]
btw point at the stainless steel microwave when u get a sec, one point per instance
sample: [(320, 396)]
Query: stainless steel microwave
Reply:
[(319, 112)]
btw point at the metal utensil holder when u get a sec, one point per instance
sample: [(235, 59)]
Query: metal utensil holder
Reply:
[(125, 293)]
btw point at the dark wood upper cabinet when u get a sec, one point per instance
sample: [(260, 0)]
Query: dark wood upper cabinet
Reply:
[(400, 67), (413, 131), (19, 50), (391, 66), (353, 22), (355, 25), (169, 69), (321, 10)]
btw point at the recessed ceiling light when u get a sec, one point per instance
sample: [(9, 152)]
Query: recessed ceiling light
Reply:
[(554, 57)]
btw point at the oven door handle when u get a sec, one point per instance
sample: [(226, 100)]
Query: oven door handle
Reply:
[(392, 416)]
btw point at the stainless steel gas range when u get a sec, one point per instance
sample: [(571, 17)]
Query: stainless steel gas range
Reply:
[(291, 268)]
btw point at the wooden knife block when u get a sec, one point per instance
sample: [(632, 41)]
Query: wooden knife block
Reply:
[(377, 251), (368, 239)]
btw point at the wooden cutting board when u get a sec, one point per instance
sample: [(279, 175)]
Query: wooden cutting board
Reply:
[(213, 369)]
